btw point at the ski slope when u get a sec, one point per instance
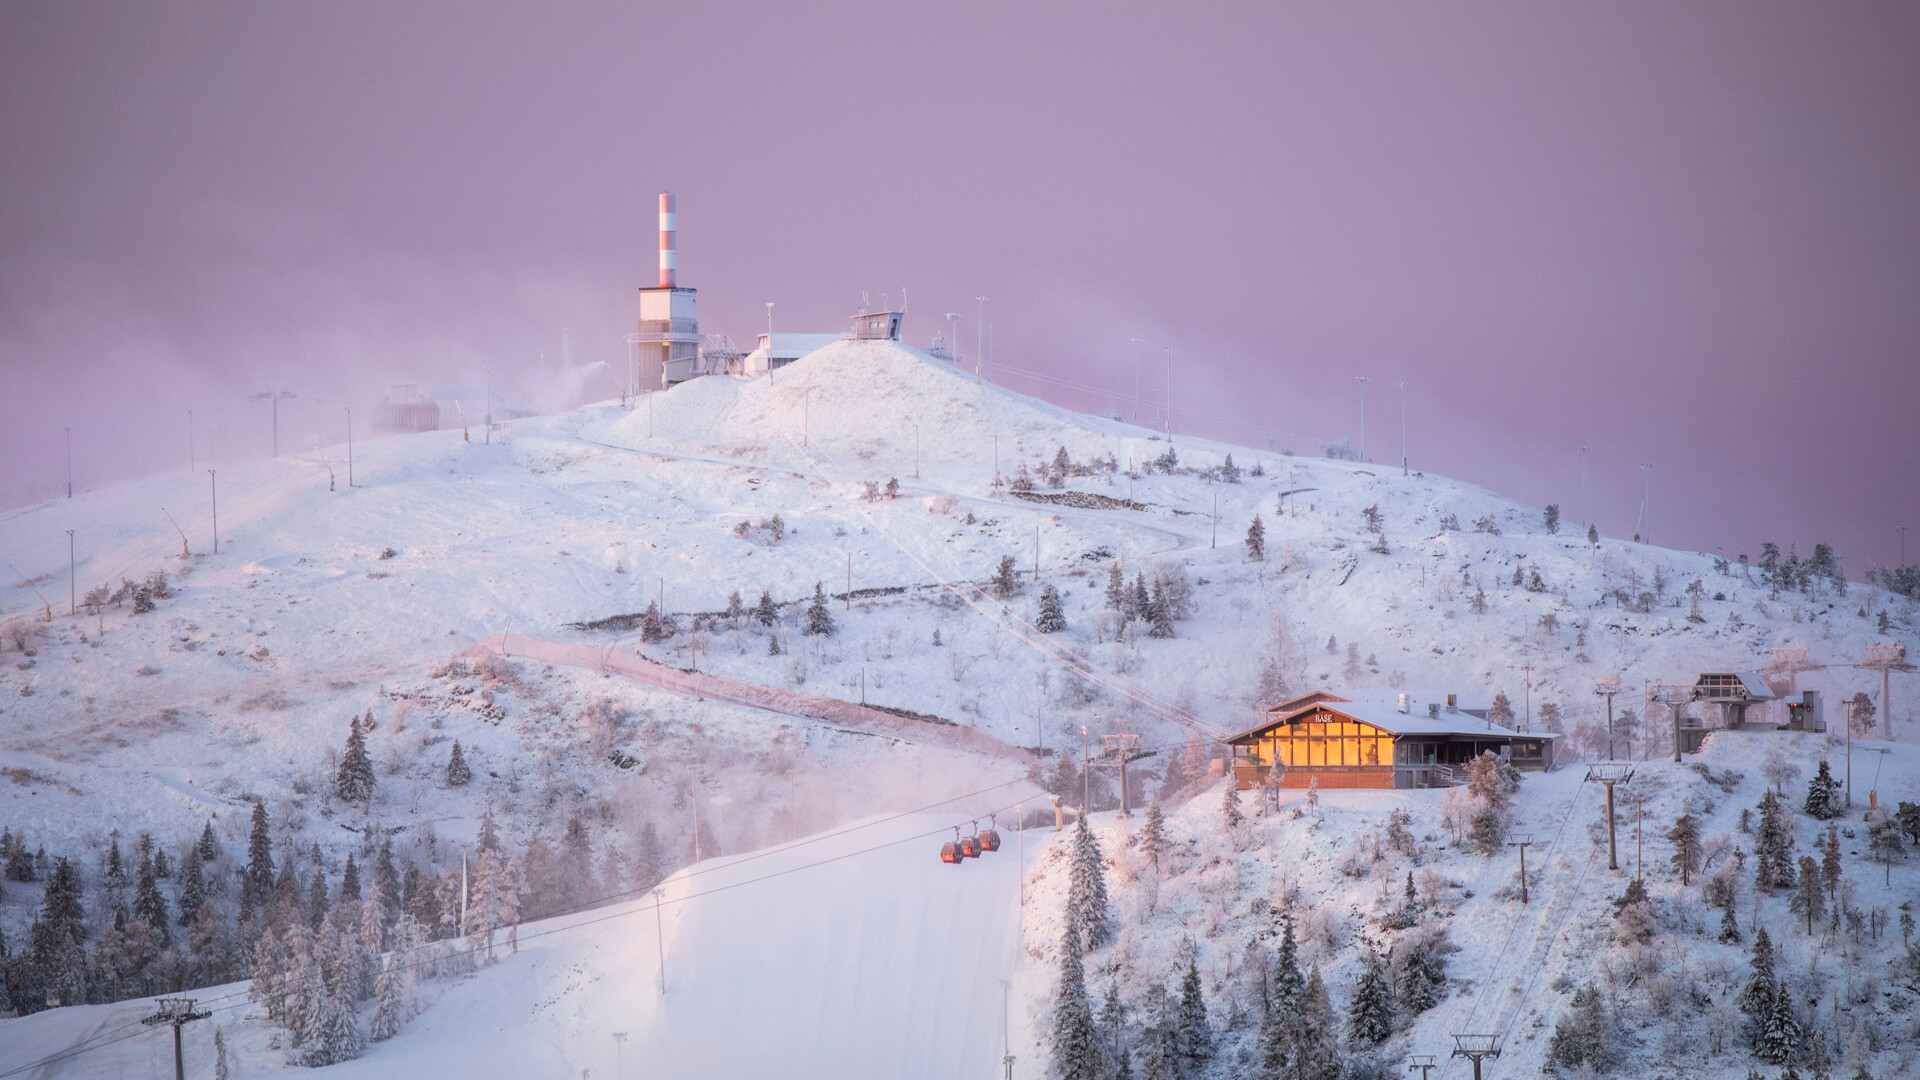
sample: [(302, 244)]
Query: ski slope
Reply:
[(851, 953)]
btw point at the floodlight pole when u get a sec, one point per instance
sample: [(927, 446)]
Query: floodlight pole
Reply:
[(349, 446), (1522, 845), (1583, 484), (213, 488), (979, 335), (619, 1044), (1138, 344), (73, 604), (69, 435), (1646, 501), (660, 939), (1901, 532), (1363, 381), (1403, 427)]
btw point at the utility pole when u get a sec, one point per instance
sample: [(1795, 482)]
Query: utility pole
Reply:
[(1646, 504), (1121, 749), (175, 1013), (1584, 522), (73, 591), (619, 1044), (1086, 771), (979, 334), (1363, 381), (69, 433), (1216, 521), (659, 934), (1527, 716), (1522, 845), (1138, 345), (213, 487), (1403, 427), (953, 340), (1610, 773)]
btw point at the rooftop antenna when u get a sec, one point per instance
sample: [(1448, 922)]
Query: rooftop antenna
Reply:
[(1608, 773), (1886, 659)]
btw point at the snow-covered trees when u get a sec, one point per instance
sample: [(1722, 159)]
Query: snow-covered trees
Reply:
[(256, 891), (1370, 1012), (1685, 836), (458, 774), (1075, 1049), (1006, 580), (1192, 1035), (496, 899), (1808, 899), (1153, 838), (1160, 611), (764, 612), (1116, 588), (1773, 846), (1780, 1035), (1583, 1036), (1883, 840), (819, 619), (1257, 540), (1087, 915), (1501, 711), (1051, 619), (1490, 782), (653, 624), (354, 781), (1756, 997), (1824, 799), (1552, 518), (1231, 816)]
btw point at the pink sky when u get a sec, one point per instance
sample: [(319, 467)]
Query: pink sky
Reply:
[(1684, 234)]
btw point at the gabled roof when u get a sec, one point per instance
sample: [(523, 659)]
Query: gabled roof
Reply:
[(1390, 719), (1756, 687)]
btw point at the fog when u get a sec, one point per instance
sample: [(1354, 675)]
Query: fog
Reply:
[(1684, 237)]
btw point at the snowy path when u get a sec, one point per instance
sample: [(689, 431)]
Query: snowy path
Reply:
[(703, 685)]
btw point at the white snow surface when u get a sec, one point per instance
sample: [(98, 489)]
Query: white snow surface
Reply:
[(241, 686)]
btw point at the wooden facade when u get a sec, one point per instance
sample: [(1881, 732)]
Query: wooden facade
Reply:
[(1325, 742)]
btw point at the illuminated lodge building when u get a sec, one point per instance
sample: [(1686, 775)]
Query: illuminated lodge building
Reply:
[(1327, 741)]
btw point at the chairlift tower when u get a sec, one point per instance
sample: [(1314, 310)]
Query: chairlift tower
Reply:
[(1121, 750), (176, 1013), (276, 394), (1791, 661), (1423, 1062), (1886, 659), (1608, 773), (1476, 1047), (1676, 699), (1608, 687)]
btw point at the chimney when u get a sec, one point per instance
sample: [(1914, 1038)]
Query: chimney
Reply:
[(1451, 702), (669, 256), (1433, 710), (1403, 703)]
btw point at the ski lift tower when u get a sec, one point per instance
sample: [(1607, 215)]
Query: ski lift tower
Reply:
[(1886, 659), (276, 394), (1476, 1047), (1676, 699), (1610, 773), (1790, 661)]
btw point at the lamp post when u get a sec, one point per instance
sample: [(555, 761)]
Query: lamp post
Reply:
[(1403, 426), (619, 1044), (1363, 381), (274, 394), (1583, 485), (1138, 345), (69, 434), (213, 489), (953, 339), (1646, 501), (979, 334), (349, 446)]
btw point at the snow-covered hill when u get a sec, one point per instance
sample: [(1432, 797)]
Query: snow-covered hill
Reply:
[(327, 603)]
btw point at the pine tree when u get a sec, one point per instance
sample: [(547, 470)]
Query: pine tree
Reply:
[(1116, 588), (1808, 898), (387, 1004), (1593, 534), (116, 872), (1257, 540), (1780, 1036), (209, 843), (386, 880), (1370, 1013), (489, 831), (1006, 580), (62, 913), (1075, 1053), (1501, 711), (1287, 984), (1192, 1036), (256, 892), (1883, 840), (653, 627), (1773, 846), (149, 906), (458, 774), (1142, 600), (1316, 1053), (193, 887), (317, 900), (1553, 518), (1051, 619), (1729, 927), (1830, 861), (764, 612), (1685, 836), (349, 882), (1153, 839), (355, 780), (1582, 1034), (1112, 1023), (1756, 998), (1087, 913), (1159, 612), (1230, 816), (1822, 795), (819, 620)]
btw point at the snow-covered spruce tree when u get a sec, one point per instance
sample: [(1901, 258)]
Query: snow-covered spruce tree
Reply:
[(1421, 960), (653, 625), (1823, 795), (1593, 534), (764, 612), (387, 1004), (1773, 846), (1685, 836), (1257, 540), (1114, 1029), (1780, 1036), (1756, 998), (209, 845), (1141, 601), (496, 899), (353, 783), (1006, 580), (1729, 927), (1051, 619), (1883, 840), (1552, 517), (1316, 1052), (1370, 1012), (1159, 612), (1116, 588), (1075, 1051), (1231, 817), (256, 890), (1154, 842), (1501, 711), (1087, 913), (1809, 898), (1584, 1034), (1192, 1034), (819, 619), (458, 774), (149, 906), (116, 867), (193, 887)]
